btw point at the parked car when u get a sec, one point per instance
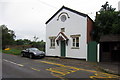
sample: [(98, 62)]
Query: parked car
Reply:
[(32, 53)]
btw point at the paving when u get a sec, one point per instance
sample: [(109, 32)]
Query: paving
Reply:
[(110, 67)]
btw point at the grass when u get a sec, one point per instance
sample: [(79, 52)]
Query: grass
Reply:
[(12, 51)]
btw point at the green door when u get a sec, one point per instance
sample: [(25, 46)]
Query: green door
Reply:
[(92, 51), (63, 48)]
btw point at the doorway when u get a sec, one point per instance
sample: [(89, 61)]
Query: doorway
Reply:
[(63, 48)]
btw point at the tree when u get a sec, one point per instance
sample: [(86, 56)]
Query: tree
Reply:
[(106, 22), (39, 44), (35, 38), (22, 42), (107, 7), (8, 36)]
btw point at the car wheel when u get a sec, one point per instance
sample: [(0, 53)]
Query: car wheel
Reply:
[(22, 54), (31, 56), (42, 56)]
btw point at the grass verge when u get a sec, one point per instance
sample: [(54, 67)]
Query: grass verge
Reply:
[(12, 51)]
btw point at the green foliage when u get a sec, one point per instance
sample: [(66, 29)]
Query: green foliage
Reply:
[(12, 51), (22, 42), (107, 7), (7, 36), (39, 44), (107, 22)]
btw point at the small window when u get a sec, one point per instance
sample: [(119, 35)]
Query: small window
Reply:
[(52, 43), (75, 41), (62, 29), (63, 18)]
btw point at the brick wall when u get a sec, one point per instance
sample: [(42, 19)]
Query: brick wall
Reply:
[(89, 30)]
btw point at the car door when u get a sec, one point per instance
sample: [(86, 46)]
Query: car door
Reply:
[(27, 52)]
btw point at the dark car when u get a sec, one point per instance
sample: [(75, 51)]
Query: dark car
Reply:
[(32, 53)]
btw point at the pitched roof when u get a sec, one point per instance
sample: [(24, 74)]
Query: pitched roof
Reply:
[(110, 38), (59, 36), (63, 7)]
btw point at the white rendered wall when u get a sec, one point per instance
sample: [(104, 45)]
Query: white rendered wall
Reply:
[(119, 6), (76, 24)]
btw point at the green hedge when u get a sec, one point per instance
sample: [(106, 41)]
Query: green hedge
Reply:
[(12, 51)]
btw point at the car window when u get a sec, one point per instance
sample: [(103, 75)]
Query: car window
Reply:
[(34, 49), (26, 49)]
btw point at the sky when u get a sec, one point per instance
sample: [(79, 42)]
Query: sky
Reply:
[(27, 17)]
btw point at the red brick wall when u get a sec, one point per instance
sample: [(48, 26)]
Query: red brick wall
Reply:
[(89, 29)]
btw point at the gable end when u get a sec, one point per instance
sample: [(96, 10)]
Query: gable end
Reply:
[(63, 7)]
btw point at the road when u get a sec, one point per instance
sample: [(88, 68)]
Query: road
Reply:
[(21, 67)]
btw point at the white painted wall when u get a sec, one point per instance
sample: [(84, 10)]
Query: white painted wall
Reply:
[(119, 6), (76, 24)]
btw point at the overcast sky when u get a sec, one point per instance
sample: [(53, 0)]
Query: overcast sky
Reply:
[(27, 17)]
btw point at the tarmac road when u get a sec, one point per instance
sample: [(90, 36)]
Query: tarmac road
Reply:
[(16, 67)]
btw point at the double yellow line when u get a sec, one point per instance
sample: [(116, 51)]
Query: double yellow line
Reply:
[(74, 69), (35, 69)]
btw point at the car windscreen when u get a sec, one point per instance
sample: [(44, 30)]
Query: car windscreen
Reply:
[(34, 49)]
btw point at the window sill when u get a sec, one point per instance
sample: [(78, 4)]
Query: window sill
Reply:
[(75, 48), (52, 47)]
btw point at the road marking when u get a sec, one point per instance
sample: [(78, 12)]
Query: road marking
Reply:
[(62, 70), (13, 63), (104, 75), (58, 76), (35, 69), (69, 69)]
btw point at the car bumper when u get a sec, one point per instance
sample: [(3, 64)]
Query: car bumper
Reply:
[(41, 55)]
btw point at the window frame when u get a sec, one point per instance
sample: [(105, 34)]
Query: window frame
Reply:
[(75, 42), (52, 42)]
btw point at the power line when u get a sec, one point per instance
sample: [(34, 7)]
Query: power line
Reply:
[(47, 4)]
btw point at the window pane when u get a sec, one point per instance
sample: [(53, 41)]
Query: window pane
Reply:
[(77, 40), (51, 42), (73, 40), (73, 44), (77, 44)]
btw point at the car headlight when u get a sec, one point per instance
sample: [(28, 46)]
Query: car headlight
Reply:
[(34, 53)]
